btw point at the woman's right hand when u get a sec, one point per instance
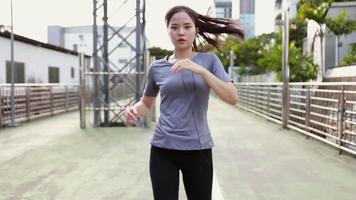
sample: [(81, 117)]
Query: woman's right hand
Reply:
[(131, 115)]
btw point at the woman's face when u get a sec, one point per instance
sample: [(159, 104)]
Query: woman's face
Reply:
[(182, 31)]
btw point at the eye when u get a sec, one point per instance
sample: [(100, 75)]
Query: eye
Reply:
[(173, 27)]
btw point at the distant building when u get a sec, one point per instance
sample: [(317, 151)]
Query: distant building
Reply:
[(37, 62), (223, 8), (242, 11), (247, 17), (281, 4), (80, 38)]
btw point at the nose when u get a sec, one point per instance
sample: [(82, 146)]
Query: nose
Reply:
[(180, 32)]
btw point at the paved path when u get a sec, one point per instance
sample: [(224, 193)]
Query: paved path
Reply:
[(254, 159)]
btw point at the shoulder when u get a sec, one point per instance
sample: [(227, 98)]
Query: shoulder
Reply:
[(158, 63), (211, 56)]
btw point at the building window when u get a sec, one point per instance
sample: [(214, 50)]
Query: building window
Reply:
[(123, 45), (220, 12), (72, 72), (81, 37), (75, 47), (19, 74), (53, 74), (123, 61)]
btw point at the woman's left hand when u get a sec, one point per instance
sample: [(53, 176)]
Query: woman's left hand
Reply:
[(188, 65)]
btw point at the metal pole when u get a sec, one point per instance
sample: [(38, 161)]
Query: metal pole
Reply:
[(13, 72), (1, 100), (323, 70), (285, 69), (106, 66), (341, 118), (82, 90), (336, 50), (231, 57), (96, 67), (138, 49)]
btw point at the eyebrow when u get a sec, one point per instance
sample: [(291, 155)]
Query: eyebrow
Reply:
[(187, 23)]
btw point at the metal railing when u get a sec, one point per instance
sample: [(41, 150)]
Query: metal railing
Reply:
[(37, 100), (324, 111)]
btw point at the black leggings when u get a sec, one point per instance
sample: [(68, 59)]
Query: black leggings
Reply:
[(196, 167)]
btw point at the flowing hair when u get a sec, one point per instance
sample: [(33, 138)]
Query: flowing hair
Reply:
[(209, 28)]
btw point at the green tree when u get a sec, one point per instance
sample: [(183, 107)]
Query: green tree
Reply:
[(298, 31), (302, 67), (317, 10), (246, 53), (351, 58), (159, 52), (340, 26)]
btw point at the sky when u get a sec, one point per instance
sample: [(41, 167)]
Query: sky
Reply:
[(31, 17)]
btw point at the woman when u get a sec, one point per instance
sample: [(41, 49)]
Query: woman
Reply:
[(182, 140)]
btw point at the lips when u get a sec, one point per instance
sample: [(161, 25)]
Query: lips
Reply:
[(181, 40)]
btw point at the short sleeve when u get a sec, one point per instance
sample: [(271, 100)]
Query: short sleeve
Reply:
[(217, 68), (151, 88)]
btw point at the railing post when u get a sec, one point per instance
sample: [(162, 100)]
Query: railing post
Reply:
[(248, 95), (256, 95), (307, 109), (1, 101), (66, 98), (28, 112), (82, 90), (51, 98), (268, 100), (340, 124)]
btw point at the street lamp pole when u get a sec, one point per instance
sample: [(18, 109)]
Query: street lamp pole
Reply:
[(285, 68), (12, 72)]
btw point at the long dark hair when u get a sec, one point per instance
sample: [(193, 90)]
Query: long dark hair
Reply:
[(209, 28)]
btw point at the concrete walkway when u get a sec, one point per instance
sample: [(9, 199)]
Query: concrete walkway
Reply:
[(254, 159)]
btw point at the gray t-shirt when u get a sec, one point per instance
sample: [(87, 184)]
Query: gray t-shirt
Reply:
[(184, 103)]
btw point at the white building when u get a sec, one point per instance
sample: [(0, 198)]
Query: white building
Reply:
[(80, 38), (280, 5), (242, 11), (37, 62), (330, 46)]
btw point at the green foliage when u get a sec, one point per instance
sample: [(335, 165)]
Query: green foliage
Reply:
[(301, 66), (316, 10), (159, 53), (246, 53), (264, 53), (350, 58), (298, 31), (340, 25)]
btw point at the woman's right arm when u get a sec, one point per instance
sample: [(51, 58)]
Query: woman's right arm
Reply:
[(140, 109)]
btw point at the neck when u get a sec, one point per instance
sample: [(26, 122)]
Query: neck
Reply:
[(181, 54)]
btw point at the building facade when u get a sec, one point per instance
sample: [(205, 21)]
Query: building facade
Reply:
[(37, 62), (241, 11), (223, 8), (80, 38), (247, 17)]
